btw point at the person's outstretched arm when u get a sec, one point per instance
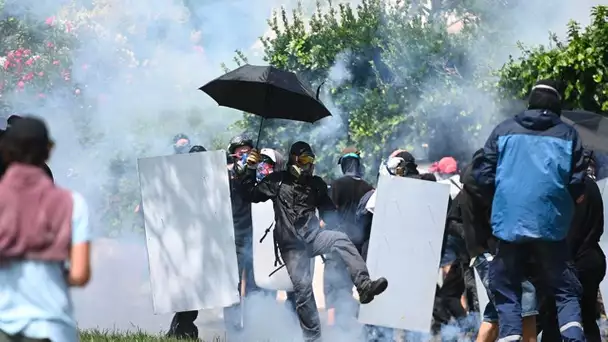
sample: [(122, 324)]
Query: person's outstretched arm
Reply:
[(259, 192)]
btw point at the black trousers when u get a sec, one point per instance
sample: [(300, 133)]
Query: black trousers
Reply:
[(591, 269), (447, 298)]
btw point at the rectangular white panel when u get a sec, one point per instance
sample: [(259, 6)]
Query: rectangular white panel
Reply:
[(405, 247), (189, 231)]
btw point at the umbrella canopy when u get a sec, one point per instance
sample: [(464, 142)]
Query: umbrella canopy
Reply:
[(268, 92), (592, 128)]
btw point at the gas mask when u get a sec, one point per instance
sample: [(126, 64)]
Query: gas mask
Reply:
[(304, 166), (264, 169), (396, 166), (240, 163)]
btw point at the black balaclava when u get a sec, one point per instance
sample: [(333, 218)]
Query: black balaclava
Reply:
[(298, 149), (546, 94)]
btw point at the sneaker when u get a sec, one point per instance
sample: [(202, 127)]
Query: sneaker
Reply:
[(374, 288)]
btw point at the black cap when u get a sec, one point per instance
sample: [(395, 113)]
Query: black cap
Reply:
[(28, 130), (197, 148), (406, 156), (299, 148)]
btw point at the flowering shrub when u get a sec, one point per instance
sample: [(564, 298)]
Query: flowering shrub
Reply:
[(34, 57)]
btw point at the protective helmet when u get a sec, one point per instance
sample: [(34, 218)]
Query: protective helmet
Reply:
[(239, 141)]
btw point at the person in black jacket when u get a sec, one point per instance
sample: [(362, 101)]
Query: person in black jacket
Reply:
[(297, 194), (469, 218), (345, 192), (589, 262)]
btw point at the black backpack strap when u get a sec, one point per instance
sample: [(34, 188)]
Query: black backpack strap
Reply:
[(453, 182), (277, 257)]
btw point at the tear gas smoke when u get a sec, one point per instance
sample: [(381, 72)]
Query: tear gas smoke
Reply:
[(135, 69)]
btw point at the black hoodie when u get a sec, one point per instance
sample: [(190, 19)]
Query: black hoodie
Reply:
[(346, 193), (587, 227), (469, 214)]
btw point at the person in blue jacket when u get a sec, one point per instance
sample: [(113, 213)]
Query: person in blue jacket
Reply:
[(533, 165)]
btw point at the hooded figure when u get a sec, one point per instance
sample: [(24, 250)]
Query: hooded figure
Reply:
[(534, 165), (589, 262), (238, 150), (297, 194), (346, 192)]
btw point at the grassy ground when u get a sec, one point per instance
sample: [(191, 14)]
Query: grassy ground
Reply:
[(108, 336)]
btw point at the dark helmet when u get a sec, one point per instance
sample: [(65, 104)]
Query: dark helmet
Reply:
[(197, 148), (239, 141)]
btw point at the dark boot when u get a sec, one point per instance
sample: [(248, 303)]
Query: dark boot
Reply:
[(372, 289)]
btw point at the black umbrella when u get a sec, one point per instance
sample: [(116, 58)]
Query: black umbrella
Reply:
[(592, 128), (267, 92)]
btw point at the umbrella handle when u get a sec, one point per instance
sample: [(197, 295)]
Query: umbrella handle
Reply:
[(319, 89), (257, 143)]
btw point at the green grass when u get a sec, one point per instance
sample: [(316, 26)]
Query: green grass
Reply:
[(117, 336)]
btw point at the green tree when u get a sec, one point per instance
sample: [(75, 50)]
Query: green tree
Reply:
[(407, 80), (580, 62)]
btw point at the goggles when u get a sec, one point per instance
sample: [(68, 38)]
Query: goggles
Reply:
[(306, 159)]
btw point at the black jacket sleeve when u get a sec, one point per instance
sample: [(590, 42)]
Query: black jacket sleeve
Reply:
[(325, 205), (267, 189)]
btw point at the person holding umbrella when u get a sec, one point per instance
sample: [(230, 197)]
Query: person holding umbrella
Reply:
[(297, 194)]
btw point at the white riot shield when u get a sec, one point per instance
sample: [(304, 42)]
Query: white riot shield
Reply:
[(189, 231), (264, 270), (603, 185), (405, 248)]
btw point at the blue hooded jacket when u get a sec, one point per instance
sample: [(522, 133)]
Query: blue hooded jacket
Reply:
[(534, 165)]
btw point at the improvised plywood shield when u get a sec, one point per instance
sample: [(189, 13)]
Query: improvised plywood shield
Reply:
[(603, 185), (405, 247), (189, 231), (262, 215)]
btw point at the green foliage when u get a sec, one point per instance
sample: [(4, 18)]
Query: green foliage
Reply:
[(394, 78), (580, 62)]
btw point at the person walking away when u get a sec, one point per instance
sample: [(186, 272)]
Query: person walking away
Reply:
[(182, 325), (3, 165), (345, 192), (470, 218), (44, 241), (297, 194), (589, 262), (534, 165)]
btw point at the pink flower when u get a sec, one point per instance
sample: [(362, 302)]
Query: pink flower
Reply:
[(55, 62), (7, 63), (68, 27), (50, 21), (27, 52), (18, 53), (49, 45), (28, 76), (29, 61), (41, 74), (20, 84)]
